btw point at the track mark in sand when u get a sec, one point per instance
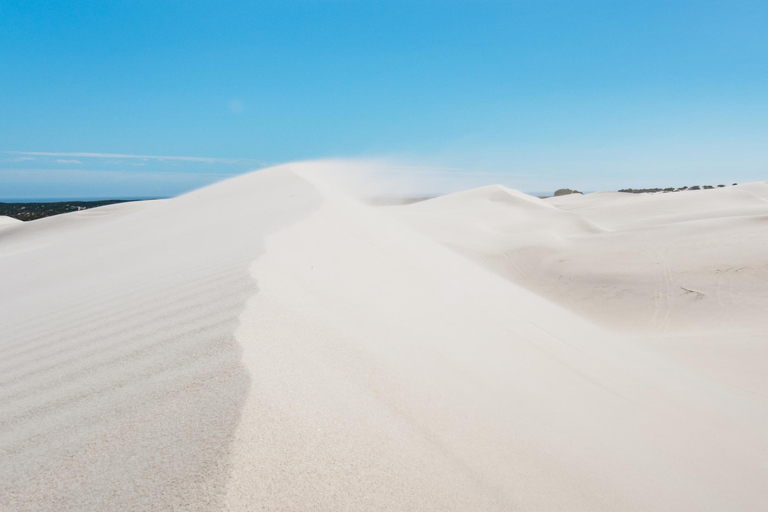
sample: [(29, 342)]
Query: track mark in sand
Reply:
[(698, 295), (663, 287), (719, 285), (526, 261)]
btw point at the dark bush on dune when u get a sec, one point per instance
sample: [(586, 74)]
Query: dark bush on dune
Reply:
[(566, 191)]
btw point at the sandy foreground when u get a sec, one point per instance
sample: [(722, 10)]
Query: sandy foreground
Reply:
[(269, 343)]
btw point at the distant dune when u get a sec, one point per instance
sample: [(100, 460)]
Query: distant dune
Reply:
[(268, 343)]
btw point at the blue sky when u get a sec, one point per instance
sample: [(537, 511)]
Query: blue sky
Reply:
[(532, 94)]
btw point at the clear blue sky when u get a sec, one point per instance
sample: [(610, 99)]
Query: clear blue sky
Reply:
[(531, 94)]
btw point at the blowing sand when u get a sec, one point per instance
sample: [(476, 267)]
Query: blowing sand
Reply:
[(268, 343)]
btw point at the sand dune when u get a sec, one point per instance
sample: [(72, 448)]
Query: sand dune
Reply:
[(268, 343), (623, 210), (504, 217), (684, 262), (492, 223), (122, 382), (6, 221)]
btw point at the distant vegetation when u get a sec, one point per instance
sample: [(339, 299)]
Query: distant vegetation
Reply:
[(32, 211), (665, 190), (566, 191)]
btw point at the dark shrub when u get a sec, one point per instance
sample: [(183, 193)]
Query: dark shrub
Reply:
[(565, 192)]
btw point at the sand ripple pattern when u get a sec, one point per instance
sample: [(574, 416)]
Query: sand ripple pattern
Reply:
[(121, 382)]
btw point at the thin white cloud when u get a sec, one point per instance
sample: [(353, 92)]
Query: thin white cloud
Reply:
[(65, 161), (140, 157), (6, 174), (22, 159)]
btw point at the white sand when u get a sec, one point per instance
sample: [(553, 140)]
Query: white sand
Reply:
[(269, 344), (6, 221), (684, 262)]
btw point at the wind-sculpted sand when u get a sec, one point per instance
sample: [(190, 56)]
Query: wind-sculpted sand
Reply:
[(121, 382), (269, 343), (694, 261), (6, 221)]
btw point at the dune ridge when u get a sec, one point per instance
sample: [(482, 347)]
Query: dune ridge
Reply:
[(6, 221), (270, 343), (128, 396), (684, 262)]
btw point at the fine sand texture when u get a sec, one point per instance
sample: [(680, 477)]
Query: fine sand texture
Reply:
[(685, 272), (6, 221), (269, 343), (694, 261)]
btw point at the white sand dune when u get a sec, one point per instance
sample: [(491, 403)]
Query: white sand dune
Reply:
[(509, 218), (491, 223), (623, 210), (687, 272), (685, 262), (268, 343), (6, 221)]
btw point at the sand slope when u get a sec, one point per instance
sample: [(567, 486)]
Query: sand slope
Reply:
[(685, 262), (268, 343), (623, 210), (686, 273), (120, 379), (6, 221), (493, 223)]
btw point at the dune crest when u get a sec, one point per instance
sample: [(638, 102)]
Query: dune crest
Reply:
[(269, 343), (121, 380), (6, 221)]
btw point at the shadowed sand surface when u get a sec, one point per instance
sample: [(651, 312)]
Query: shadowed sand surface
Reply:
[(268, 343), (121, 381)]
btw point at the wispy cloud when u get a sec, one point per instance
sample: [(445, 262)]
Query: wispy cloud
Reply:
[(65, 161), (68, 173), (21, 158), (64, 182), (138, 157)]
